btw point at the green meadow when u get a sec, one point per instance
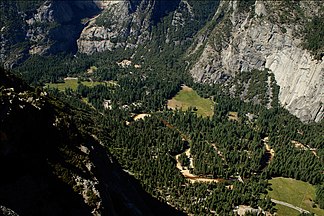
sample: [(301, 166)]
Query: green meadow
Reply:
[(297, 193), (73, 84), (187, 97)]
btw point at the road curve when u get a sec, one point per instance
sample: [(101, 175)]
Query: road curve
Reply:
[(290, 206)]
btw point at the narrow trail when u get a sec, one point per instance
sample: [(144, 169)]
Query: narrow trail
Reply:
[(141, 116), (191, 177), (269, 150), (184, 170), (185, 137), (305, 147), (219, 153), (194, 178), (301, 210)]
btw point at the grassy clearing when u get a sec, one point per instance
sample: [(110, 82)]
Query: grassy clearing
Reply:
[(73, 84), (92, 84), (187, 97), (297, 193), (286, 211)]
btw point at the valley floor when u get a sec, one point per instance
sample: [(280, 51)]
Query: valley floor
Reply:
[(294, 194)]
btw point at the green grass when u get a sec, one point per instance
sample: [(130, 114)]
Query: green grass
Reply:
[(73, 84), (286, 211), (92, 84), (297, 193), (187, 97)]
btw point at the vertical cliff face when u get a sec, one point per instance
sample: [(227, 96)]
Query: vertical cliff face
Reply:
[(242, 36), (252, 39), (41, 27), (123, 24), (111, 28), (301, 81)]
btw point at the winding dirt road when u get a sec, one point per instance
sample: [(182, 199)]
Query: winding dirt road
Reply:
[(290, 206), (186, 173), (184, 170)]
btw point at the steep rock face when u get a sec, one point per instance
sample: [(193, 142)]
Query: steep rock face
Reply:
[(123, 24), (103, 31), (43, 27), (245, 41), (301, 82), (37, 138), (238, 38), (63, 19)]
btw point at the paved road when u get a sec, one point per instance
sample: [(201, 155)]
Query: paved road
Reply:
[(290, 206)]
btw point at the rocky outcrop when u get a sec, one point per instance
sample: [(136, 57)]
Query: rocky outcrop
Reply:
[(54, 26), (53, 163), (47, 27), (62, 21), (301, 81), (254, 41), (95, 26), (105, 32), (7, 212), (241, 36), (123, 24)]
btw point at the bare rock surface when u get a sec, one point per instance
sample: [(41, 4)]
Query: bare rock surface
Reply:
[(256, 42)]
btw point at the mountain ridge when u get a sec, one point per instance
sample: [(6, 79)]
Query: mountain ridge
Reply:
[(229, 38)]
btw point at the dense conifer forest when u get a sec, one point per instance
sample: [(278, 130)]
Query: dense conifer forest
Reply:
[(232, 151), (240, 154)]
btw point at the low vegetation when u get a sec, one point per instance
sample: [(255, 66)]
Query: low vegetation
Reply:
[(219, 147), (286, 211), (72, 84), (297, 193), (188, 98), (314, 35)]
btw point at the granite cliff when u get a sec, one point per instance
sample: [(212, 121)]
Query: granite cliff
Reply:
[(41, 27), (235, 40), (258, 39), (127, 24), (225, 39)]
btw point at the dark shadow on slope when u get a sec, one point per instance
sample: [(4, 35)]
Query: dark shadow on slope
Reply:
[(265, 160), (31, 146), (162, 8), (128, 196)]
